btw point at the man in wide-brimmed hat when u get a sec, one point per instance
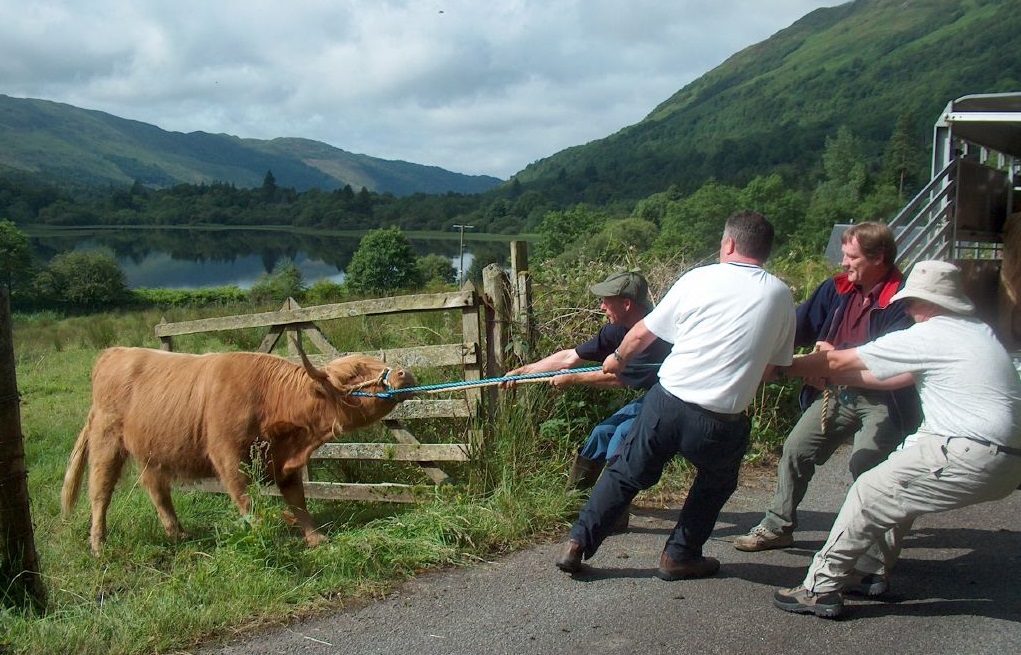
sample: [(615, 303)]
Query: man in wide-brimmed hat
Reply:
[(966, 451)]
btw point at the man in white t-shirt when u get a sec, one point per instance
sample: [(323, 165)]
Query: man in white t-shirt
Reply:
[(966, 451), (729, 324)]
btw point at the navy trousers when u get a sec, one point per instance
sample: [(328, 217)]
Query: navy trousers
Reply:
[(667, 427)]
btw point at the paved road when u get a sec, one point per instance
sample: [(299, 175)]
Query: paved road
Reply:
[(954, 591)]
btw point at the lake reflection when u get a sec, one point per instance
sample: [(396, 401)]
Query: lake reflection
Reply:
[(193, 258), (159, 269)]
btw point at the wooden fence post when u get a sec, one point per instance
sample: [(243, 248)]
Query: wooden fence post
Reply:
[(471, 333), (166, 343), (496, 287), (524, 340), (19, 565)]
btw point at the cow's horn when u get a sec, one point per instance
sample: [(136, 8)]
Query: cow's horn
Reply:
[(313, 372)]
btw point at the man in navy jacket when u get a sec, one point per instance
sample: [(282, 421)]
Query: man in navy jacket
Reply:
[(845, 311)]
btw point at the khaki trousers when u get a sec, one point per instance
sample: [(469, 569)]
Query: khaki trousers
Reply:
[(934, 474)]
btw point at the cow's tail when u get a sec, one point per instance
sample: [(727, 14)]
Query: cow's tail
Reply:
[(75, 469)]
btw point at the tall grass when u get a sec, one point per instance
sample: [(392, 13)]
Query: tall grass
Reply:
[(149, 594)]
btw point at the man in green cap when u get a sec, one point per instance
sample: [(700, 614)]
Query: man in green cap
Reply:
[(624, 298)]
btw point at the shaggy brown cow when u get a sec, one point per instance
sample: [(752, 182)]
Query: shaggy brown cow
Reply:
[(200, 416)]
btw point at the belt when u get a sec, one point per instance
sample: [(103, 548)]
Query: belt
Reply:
[(847, 394), (1006, 450), (725, 418)]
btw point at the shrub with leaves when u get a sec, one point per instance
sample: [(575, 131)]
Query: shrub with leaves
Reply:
[(384, 262), (436, 268), (285, 281), (15, 257), (83, 279)]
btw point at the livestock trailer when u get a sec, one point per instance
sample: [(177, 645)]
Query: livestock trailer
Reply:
[(970, 211)]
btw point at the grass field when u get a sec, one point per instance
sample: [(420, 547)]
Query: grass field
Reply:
[(148, 594)]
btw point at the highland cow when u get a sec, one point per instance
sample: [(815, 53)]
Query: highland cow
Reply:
[(187, 416)]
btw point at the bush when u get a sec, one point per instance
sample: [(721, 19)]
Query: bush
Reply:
[(204, 297), (285, 281), (560, 228), (83, 280), (324, 292), (436, 268), (15, 258), (384, 262)]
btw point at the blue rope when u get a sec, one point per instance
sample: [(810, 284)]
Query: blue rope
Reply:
[(484, 381)]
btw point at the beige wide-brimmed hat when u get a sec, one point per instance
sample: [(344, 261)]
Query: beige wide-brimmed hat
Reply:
[(939, 283)]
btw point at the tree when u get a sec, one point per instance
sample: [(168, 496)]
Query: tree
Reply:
[(85, 279), (903, 157), (692, 227), (269, 187), (384, 262), (436, 268), (284, 282), (838, 198), (784, 207), (618, 241), (15, 256), (560, 228)]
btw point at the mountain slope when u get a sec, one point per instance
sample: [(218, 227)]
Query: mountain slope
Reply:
[(81, 146), (771, 106)]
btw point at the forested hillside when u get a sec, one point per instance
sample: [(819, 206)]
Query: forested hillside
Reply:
[(770, 107), (828, 121)]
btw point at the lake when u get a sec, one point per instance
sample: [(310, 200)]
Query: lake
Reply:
[(194, 258)]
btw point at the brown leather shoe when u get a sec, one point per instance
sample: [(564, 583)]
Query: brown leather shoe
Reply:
[(569, 558), (702, 567)]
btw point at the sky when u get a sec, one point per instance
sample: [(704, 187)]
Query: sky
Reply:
[(472, 86)]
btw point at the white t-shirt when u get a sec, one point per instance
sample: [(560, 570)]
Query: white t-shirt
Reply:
[(966, 380), (726, 323)]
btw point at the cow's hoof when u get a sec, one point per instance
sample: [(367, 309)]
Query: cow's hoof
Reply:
[(314, 539)]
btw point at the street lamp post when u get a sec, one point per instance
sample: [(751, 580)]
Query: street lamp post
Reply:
[(460, 272)]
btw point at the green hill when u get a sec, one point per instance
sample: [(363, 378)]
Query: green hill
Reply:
[(69, 145), (771, 106)]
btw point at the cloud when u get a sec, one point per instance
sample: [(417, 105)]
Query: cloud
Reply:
[(472, 87)]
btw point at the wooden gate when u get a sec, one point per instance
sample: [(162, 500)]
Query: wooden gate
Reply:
[(467, 358)]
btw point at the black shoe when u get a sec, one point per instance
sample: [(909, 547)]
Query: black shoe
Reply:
[(802, 601), (569, 558), (699, 567)]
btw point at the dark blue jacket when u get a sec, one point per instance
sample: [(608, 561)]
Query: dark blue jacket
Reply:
[(819, 316)]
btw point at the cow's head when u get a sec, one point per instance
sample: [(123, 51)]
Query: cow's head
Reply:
[(361, 373)]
